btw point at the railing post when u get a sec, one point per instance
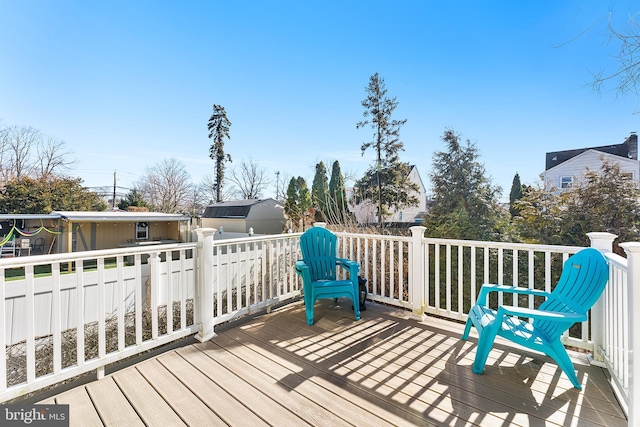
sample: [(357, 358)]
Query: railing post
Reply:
[(416, 273), (603, 242), (632, 250), (204, 288)]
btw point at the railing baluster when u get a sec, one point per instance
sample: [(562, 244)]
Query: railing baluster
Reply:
[(460, 279), (154, 263), (547, 271), (500, 275), (531, 279), (448, 279), (473, 276), (169, 269), (30, 324), (182, 291), (3, 330), (138, 298), (392, 271), (436, 287)]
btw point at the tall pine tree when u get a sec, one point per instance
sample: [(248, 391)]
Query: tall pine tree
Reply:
[(389, 175), (320, 192), (337, 195), (218, 127)]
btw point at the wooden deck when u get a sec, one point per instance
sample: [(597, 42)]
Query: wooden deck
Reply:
[(381, 371)]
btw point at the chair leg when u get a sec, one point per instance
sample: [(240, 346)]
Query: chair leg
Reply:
[(309, 302), (485, 343), (559, 354), (467, 329), (356, 306)]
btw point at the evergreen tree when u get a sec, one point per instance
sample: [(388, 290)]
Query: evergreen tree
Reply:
[(515, 195), (465, 203), (320, 192), (42, 196), (133, 198), (218, 127), (304, 195), (291, 202), (389, 176), (298, 200), (337, 195)]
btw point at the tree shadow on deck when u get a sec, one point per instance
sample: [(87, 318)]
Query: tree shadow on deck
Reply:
[(422, 372)]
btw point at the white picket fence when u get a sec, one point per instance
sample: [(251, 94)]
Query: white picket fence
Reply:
[(226, 279)]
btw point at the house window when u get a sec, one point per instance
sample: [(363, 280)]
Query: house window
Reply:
[(566, 182), (142, 230)]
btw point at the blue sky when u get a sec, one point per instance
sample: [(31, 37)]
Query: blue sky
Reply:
[(127, 84)]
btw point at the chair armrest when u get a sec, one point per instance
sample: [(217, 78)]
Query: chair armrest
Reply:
[(347, 264), (303, 270), (559, 316), (487, 288)]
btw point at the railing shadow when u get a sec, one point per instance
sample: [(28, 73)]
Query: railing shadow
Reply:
[(423, 372)]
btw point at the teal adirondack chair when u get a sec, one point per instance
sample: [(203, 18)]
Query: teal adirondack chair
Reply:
[(581, 283), (318, 269)]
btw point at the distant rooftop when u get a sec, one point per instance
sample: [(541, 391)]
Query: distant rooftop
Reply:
[(628, 149)]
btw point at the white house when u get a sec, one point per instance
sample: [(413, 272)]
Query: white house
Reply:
[(365, 212), (563, 168)]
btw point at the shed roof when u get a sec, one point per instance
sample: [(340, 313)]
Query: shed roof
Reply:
[(8, 217), (238, 209), (99, 216), (119, 216)]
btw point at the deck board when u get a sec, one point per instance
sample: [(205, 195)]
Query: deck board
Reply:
[(149, 405), (232, 411), (383, 370), (111, 405), (186, 405), (295, 382), (81, 409)]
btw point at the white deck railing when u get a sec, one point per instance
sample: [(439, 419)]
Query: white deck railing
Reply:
[(128, 301)]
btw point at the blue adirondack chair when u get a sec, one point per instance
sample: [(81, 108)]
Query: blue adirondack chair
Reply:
[(584, 276), (318, 270)]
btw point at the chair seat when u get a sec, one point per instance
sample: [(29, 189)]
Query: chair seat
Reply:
[(511, 328)]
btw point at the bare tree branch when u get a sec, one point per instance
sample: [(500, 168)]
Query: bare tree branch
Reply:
[(52, 159), (17, 146), (167, 186), (627, 74), (249, 179)]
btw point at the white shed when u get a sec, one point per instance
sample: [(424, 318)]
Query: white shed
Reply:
[(264, 216)]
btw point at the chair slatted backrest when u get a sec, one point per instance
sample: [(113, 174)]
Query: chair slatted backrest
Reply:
[(583, 278), (319, 248)]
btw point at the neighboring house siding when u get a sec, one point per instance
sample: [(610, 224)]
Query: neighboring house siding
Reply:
[(365, 212), (588, 160), (408, 214)]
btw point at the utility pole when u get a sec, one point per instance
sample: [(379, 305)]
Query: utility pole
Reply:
[(113, 205), (277, 185)]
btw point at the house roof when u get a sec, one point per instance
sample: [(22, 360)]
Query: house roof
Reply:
[(628, 149), (118, 216), (581, 158), (238, 209)]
